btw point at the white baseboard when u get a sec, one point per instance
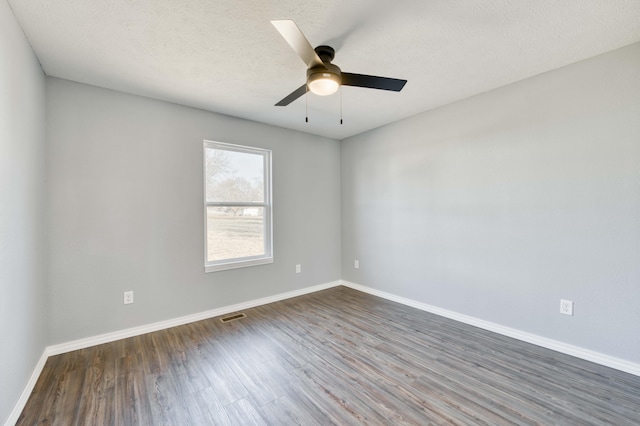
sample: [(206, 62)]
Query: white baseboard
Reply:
[(576, 351), (22, 401), (136, 331)]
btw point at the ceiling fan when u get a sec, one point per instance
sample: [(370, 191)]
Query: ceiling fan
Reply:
[(324, 78)]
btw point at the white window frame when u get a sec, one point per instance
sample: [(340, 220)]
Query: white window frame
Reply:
[(240, 262)]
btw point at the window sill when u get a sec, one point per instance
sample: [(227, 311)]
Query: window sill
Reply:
[(237, 264)]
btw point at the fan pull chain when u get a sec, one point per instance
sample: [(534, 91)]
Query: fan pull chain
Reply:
[(306, 106), (341, 104)]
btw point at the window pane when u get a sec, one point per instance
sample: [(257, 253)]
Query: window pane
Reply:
[(234, 176), (234, 232)]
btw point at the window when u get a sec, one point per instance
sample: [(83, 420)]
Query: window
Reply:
[(237, 206)]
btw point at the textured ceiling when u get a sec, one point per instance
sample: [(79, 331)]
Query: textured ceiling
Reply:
[(225, 56)]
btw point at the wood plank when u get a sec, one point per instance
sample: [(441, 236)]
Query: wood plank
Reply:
[(245, 412)]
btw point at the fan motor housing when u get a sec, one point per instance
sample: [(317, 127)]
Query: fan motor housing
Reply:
[(327, 71)]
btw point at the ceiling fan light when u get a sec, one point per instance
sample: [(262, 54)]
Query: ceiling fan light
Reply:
[(323, 83)]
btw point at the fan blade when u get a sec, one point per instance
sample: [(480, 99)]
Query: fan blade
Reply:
[(293, 95), (372, 82), (292, 34)]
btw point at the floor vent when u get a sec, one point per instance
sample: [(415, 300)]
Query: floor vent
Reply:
[(233, 317)]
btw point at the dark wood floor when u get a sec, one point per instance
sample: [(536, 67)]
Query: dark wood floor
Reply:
[(333, 357)]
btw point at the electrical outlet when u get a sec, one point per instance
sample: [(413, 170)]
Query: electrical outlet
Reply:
[(128, 297), (298, 269), (356, 264), (566, 307)]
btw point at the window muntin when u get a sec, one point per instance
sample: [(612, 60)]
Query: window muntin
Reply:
[(237, 206)]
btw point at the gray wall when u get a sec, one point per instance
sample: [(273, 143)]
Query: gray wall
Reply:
[(500, 205), (22, 203), (126, 211)]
